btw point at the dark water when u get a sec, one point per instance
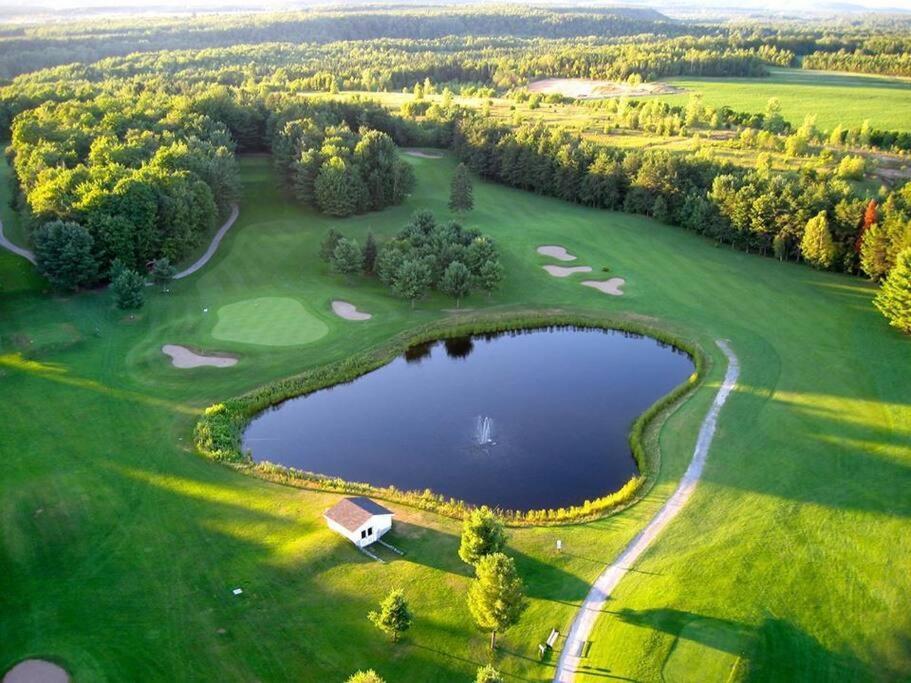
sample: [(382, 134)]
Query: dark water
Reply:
[(560, 404)]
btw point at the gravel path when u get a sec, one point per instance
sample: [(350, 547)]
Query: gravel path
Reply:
[(19, 251), (585, 619), (213, 247), (203, 260)]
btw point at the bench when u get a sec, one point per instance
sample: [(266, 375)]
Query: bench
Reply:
[(549, 644)]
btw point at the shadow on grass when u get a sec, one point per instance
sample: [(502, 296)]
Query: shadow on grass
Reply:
[(776, 649), (542, 580)]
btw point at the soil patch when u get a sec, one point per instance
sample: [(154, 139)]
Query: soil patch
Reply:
[(348, 311), (36, 671), (612, 286), (421, 155), (556, 251), (184, 358), (566, 271)]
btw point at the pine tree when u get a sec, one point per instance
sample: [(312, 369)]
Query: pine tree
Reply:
[(817, 246), (393, 617), (64, 254), (461, 195), (347, 257), (456, 281), (128, 288), (162, 271), (894, 298), (482, 534), (496, 597), (370, 252), (327, 246), (874, 252), (369, 676), (412, 280)]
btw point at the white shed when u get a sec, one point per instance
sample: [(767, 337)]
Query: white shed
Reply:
[(360, 520)]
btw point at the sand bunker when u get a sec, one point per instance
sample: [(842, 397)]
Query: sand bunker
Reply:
[(556, 252), (36, 671), (182, 357), (584, 88), (566, 271), (611, 286), (422, 155), (348, 311)]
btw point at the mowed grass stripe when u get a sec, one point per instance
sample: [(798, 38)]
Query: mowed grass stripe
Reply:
[(845, 99)]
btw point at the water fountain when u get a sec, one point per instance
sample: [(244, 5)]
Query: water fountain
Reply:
[(484, 432)]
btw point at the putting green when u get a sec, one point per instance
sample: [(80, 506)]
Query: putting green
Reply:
[(268, 321)]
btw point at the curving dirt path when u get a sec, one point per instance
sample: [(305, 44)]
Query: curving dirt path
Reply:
[(19, 251), (203, 260), (213, 247), (594, 602)]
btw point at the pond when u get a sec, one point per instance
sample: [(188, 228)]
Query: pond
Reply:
[(520, 420)]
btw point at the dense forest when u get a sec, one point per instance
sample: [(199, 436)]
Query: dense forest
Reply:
[(131, 159)]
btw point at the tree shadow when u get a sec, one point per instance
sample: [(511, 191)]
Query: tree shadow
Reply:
[(542, 580), (775, 649), (820, 454)]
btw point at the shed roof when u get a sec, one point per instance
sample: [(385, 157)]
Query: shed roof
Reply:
[(351, 513)]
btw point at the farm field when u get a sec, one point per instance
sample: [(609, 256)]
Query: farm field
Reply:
[(835, 98), (120, 547)]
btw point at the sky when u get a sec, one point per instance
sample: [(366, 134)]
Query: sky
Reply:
[(773, 5)]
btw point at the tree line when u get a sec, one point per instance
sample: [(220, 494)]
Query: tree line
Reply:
[(757, 210)]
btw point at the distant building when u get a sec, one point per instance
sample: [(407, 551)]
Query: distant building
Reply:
[(360, 520)]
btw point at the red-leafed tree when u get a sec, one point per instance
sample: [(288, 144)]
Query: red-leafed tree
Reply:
[(871, 214)]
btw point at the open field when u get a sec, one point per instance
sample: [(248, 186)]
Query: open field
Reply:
[(119, 547), (836, 98)]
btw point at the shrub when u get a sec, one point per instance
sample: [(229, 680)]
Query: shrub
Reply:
[(851, 167)]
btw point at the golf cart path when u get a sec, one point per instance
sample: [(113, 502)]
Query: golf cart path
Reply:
[(213, 247), (203, 260), (19, 251), (591, 607)]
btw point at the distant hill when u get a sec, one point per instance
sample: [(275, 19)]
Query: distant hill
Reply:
[(90, 33)]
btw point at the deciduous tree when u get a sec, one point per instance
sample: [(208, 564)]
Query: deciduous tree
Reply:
[(456, 281), (487, 674), (412, 280), (394, 616), (817, 246), (482, 534), (496, 597)]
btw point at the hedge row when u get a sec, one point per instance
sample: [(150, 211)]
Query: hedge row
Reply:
[(219, 431)]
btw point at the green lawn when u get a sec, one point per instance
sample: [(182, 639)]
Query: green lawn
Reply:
[(835, 98), (119, 547)]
